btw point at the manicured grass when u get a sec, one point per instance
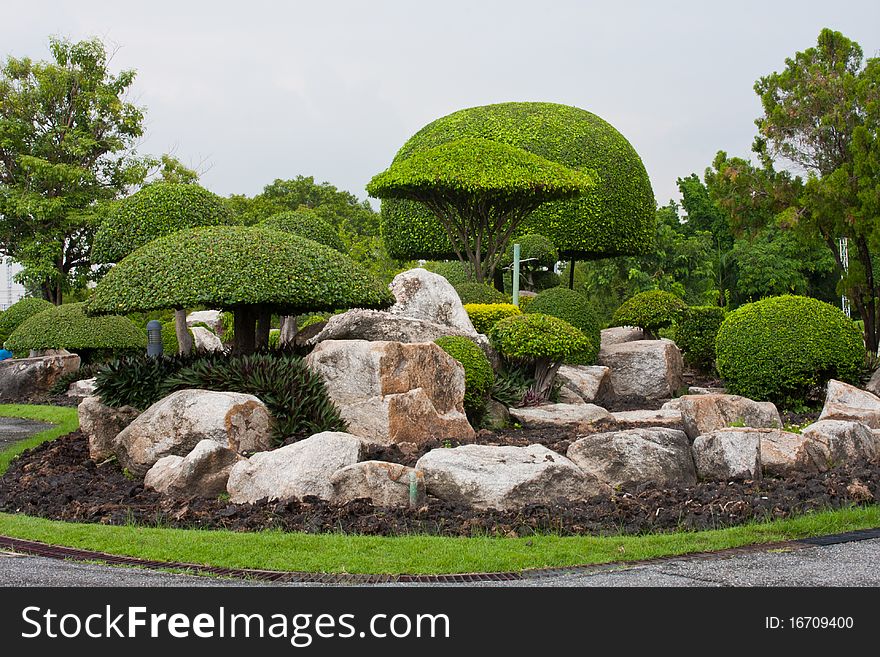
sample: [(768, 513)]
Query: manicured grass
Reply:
[(338, 553), (65, 418)]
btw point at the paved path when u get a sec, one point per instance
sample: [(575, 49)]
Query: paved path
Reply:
[(845, 564), (13, 429)]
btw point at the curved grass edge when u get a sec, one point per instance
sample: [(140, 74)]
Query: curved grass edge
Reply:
[(414, 555), (64, 418)]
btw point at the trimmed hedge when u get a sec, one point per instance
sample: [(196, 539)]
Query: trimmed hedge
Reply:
[(154, 211), (18, 312), (480, 293), (478, 373), (695, 330), (615, 217), (227, 266), (777, 349), (534, 336), (651, 311), (306, 223), (485, 315), (454, 271), (575, 309)]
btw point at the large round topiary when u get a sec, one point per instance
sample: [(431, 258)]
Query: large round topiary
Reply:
[(154, 211), (306, 223), (777, 349), (18, 312), (615, 217), (651, 311), (68, 327), (478, 373), (480, 293), (575, 309), (695, 330)]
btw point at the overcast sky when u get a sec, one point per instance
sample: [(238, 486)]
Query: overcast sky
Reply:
[(253, 90)]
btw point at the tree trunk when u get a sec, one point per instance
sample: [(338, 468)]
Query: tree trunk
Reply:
[(264, 327), (184, 339), (545, 375), (288, 331), (499, 280), (571, 274), (245, 330), (870, 307)]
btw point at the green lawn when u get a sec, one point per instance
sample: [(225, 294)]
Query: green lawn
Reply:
[(65, 418), (339, 553)]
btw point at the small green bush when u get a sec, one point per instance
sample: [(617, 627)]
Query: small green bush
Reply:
[(454, 271), (650, 311), (575, 309), (512, 384), (478, 374), (485, 315), (480, 293), (170, 345), (779, 348), (274, 338), (18, 312), (695, 330), (306, 223)]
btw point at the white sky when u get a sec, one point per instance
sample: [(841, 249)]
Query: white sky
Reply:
[(256, 90)]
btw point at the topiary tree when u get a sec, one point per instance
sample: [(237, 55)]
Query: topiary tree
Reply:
[(478, 374), (19, 312), (480, 192), (537, 256), (152, 212), (541, 342), (252, 271), (778, 348), (696, 328), (485, 315), (68, 327), (575, 309), (614, 217), (651, 311)]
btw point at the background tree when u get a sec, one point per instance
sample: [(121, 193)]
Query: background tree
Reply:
[(66, 145)]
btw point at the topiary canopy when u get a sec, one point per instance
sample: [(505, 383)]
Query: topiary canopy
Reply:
[(651, 310), (306, 223), (68, 327), (18, 313), (574, 308), (154, 211), (615, 217)]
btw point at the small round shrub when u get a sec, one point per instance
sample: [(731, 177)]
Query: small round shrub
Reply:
[(695, 330), (777, 349), (18, 312), (575, 309), (485, 315), (478, 374), (306, 223), (651, 311), (480, 293), (454, 271)]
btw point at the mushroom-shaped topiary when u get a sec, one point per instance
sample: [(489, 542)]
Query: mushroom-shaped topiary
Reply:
[(19, 312), (68, 327), (478, 374), (305, 222), (251, 271), (575, 309), (651, 311), (542, 341)]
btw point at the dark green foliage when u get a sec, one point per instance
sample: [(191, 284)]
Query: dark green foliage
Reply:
[(68, 327), (615, 217), (512, 384), (155, 211), (295, 396), (227, 266), (485, 315), (779, 348), (137, 381), (538, 250), (650, 310), (306, 223), (454, 271), (480, 293), (695, 330), (170, 345), (478, 374), (18, 313), (86, 371), (575, 309)]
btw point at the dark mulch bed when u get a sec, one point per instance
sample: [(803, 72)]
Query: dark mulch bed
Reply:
[(58, 480)]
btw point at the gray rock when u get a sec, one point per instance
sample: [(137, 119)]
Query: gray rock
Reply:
[(386, 484), (873, 385), (846, 402), (668, 418), (783, 452), (82, 388), (176, 424), (559, 415), (21, 378), (624, 459), (296, 470), (210, 318), (592, 383), (728, 454), (649, 369), (569, 396), (699, 390), (204, 340), (619, 335), (423, 295), (484, 477), (201, 473), (839, 442), (497, 416), (706, 413), (101, 424)]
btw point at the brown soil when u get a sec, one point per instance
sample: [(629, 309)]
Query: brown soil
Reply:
[(58, 480)]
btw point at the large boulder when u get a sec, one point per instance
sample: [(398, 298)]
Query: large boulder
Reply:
[(648, 369), (559, 416), (296, 470), (592, 383), (210, 318), (619, 335), (423, 295), (391, 392), (205, 340), (668, 418), (707, 412), (386, 484), (176, 424), (101, 424), (21, 378), (82, 388), (731, 453), (873, 385), (484, 476), (839, 442), (846, 402), (201, 473), (783, 452), (636, 456)]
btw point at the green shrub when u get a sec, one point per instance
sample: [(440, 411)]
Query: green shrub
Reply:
[(227, 327), (650, 311), (68, 327), (18, 312), (575, 309), (485, 315), (525, 301), (779, 348), (454, 271), (138, 381), (306, 223), (695, 331), (478, 374), (170, 345), (537, 250), (480, 293), (512, 384), (274, 338), (63, 382)]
